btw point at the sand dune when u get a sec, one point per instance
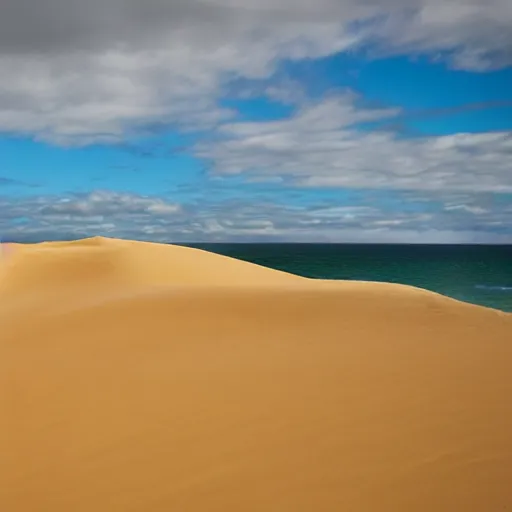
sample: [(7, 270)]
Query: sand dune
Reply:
[(141, 377)]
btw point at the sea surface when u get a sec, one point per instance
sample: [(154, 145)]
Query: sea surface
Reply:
[(473, 273)]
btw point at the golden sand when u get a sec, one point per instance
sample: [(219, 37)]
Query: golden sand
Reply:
[(141, 377)]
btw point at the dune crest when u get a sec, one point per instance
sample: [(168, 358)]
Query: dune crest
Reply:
[(145, 377)]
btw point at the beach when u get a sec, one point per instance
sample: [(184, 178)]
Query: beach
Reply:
[(144, 377)]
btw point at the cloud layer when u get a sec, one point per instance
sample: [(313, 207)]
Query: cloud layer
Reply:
[(76, 72), (321, 146), (463, 218)]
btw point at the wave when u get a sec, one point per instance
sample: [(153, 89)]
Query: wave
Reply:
[(495, 288)]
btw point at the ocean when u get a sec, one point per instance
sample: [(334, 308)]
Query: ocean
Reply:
[(473, 273)]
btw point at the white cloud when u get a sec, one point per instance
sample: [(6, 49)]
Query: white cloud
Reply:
[(319, 147), (476, 210), (102, 203), (436, 218), (476, 34)]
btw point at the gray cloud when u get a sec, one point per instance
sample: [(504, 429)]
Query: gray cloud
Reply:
[(418, 217), (77, 72), (57, 25)]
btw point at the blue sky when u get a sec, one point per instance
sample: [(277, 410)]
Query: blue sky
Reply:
[(258, 123)]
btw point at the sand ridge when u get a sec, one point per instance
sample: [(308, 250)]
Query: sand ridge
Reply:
[(144, 377)]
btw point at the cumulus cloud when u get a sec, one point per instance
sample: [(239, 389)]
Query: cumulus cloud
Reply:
[(77, 72), (464, 219)]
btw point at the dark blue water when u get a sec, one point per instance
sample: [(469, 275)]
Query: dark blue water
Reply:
[(476, 273)]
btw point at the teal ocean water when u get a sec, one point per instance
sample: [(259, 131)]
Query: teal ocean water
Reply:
[(478, 274)]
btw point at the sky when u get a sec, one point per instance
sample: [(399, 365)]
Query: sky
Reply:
[(345, 121)]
